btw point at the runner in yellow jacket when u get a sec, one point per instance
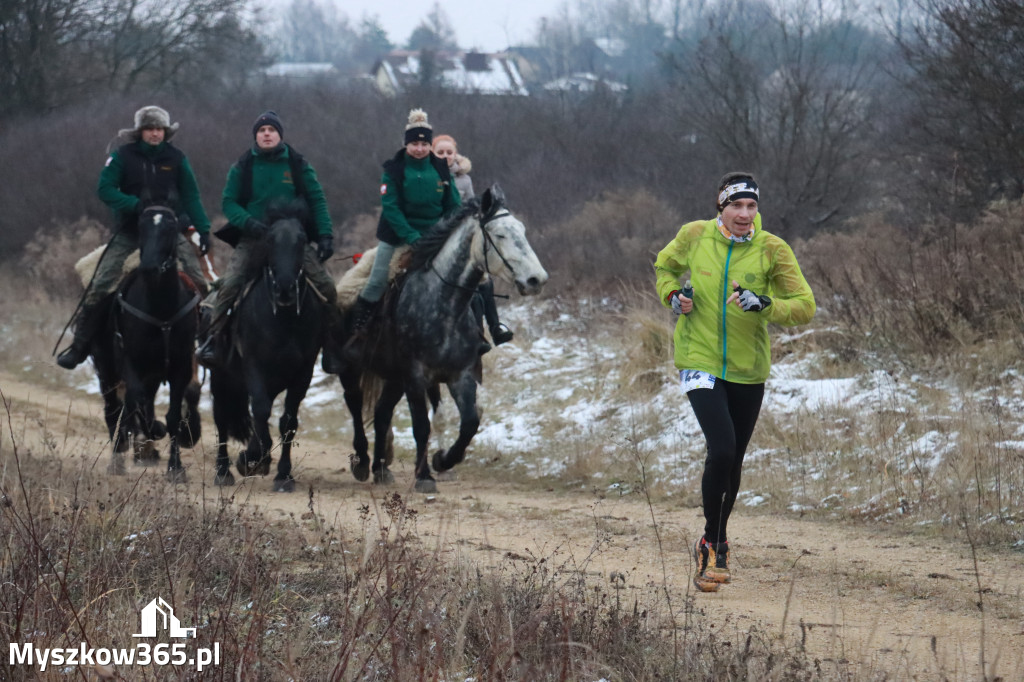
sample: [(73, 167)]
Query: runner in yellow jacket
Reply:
[(742, 278)]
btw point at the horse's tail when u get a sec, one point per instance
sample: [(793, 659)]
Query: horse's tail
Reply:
[(230, 406), (371, 386)]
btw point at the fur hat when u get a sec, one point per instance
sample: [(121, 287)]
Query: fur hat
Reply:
[(150, 117), (268, 118), (418, 128)]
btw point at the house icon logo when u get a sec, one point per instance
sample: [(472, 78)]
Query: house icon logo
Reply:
[(159, 613)]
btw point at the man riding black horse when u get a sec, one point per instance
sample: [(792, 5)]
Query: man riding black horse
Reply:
[(270, 173), (147, 166)]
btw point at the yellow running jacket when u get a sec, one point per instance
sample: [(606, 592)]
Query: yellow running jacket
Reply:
[(724, 340)]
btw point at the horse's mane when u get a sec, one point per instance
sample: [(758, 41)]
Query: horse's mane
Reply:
[(427, 246)]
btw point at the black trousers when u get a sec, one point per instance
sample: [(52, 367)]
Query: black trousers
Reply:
[(727, 414)]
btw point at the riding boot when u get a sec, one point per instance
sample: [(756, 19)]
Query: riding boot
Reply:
[(499, 333), (360, 314), (476, 304), (85, 328), (334, 340), (206, 353)]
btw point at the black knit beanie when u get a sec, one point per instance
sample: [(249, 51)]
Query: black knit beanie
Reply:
[(418, 128), (268, 118)]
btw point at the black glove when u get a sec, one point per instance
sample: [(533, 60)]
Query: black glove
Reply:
[(204, 243), (255, 227), (751, 302), (325, 248)]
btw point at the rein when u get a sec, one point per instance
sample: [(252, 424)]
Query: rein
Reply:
[(164, 325)]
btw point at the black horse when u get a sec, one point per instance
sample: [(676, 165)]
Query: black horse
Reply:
[(149, 339), (276, 336), (427, 333)]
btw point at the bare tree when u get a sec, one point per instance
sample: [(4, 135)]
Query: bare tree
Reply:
[(789, 100), (963, 130)]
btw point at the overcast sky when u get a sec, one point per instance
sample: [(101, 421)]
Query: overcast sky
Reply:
[(489, 25)]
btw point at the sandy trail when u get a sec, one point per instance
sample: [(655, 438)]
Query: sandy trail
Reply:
[(905, 605)]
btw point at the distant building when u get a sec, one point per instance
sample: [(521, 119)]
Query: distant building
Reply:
[(584, 83), (301, 70), (461, 72)]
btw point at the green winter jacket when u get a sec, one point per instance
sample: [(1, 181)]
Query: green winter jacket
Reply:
[(724, 340), (112, 183), (272, 179), (413, 206)]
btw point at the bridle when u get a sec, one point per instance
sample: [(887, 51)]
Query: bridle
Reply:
[(488, 240), (168, 262), (274, 292)]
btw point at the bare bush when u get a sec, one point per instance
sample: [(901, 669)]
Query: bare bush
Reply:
[(930, 290)]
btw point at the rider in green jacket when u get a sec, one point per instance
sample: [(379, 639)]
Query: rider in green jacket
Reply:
[(740, 279), (147, 167), (417, 190), (270, 171)]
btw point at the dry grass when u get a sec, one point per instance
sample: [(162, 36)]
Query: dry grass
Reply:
[(303, 599)]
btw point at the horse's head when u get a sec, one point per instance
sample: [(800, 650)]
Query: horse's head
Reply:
[(502, 249), (158, 239), (286, 249)]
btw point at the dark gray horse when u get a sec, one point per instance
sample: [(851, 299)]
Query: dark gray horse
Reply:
[(276, 339), (426, 333)]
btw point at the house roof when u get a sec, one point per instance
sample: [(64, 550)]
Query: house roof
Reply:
[(300, 69), (584, 82), (465, 72)]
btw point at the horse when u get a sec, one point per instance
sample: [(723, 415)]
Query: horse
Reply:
[(276, 336), (149, 339), (426, 333)]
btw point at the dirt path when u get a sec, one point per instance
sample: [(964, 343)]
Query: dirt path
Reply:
[(905, 606)]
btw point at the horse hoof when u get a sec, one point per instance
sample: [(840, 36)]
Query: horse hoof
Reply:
[(286, 485), (177, 475), (158, 430), (426, 485), (147, 453), (437, 461), (117, 467), (225, 479), (361, 470), (447, 476), (383, 477), (121, 446)]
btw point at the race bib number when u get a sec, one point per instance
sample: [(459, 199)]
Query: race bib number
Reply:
[(691, 379)]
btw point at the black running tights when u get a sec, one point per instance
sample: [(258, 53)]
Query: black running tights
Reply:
[(727, 414)]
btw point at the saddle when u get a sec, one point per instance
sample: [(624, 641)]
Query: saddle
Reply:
[(85, 268), (352, 282)]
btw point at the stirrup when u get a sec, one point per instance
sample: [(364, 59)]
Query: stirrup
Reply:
[(206, 354)]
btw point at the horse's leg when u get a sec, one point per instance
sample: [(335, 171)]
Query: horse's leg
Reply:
[(382, 413), (223, 477), (178, 382), (190, 430), (228, 398), (416, 397), (360, 459), (463, 391), (112, 410), (255, 459), (288, 425), (133, 416)]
